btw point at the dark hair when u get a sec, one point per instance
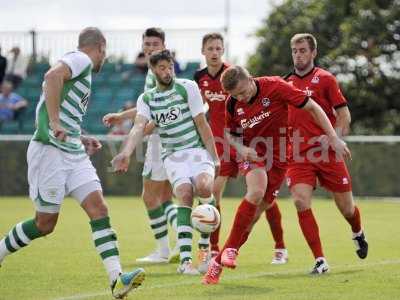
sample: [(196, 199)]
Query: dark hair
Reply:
[(90, 36), (157, 56), (155, 32), (212, 36)]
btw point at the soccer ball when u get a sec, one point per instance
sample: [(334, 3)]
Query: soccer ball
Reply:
[(205, 218)]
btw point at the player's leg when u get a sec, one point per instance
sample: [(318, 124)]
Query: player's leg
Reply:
[(90, 196), (203, 184), (256, 181), (152, 191), (218, 190), (46, 188), (336, 178)]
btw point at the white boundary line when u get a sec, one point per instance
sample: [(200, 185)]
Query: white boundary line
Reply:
[(234, 277)]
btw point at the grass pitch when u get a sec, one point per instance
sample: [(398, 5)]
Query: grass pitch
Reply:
[(65, 265)]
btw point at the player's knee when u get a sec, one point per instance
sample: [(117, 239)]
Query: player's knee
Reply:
[(204, 187), (255, 195), (46, 225), (301, 200)]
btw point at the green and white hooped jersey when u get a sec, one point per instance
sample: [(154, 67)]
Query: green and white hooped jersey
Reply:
[(74, 100), (173, 111)]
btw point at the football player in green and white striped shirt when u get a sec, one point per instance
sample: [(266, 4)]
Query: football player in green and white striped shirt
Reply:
[(189, 154), (157, 192), (59, 165)]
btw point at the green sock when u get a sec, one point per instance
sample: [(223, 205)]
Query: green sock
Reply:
[(185, 233)]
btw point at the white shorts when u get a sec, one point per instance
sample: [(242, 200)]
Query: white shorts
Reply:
[(185, 165), (54, 174), (153, 168)]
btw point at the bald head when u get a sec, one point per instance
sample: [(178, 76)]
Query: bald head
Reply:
[(91, 36)]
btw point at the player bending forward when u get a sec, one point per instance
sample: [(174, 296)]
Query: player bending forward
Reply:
[(58, 164), (257, 112), (189, 154)]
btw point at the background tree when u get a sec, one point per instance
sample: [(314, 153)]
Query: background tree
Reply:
[(358, 41)]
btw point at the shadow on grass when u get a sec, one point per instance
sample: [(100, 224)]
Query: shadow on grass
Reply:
[(231, 289)]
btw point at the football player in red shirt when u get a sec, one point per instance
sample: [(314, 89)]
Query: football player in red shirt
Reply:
[(257, 118), (309, 162), (213, 94)]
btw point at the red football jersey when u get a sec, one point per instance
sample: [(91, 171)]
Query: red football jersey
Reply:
[(264, 118), (214, 95), (323, 88)]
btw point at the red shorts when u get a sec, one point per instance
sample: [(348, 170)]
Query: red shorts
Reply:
[(276, 176), (229, 165), (332, 175)]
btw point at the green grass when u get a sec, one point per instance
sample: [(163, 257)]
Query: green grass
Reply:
[(65, 264)]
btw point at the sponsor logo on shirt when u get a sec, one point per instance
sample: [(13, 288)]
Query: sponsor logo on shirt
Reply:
[(315, 79), (205, 83), (240, 111), (308, 92), (214, 96), (168, 116), (345, 180), (254, 120)]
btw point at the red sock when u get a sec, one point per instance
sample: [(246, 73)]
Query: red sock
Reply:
[(214, 238), (310, 230), (245, 236), (274, 219), (355, 220), (244, 217)]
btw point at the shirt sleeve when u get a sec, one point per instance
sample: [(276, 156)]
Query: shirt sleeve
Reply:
[(195, 100), (292, 95), (334, 94), (230, 124), (143, 108), (77, 62)]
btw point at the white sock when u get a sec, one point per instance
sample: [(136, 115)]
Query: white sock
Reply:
[(163, 246), (3, 250), (113, 267)]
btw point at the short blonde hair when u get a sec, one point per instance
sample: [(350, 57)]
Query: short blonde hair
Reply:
[(232, 75), (308, 37)]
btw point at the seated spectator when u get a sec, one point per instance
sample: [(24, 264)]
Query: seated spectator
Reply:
[(125, 126), (3, 66), (177, 66), (10, 103), (17, 65)]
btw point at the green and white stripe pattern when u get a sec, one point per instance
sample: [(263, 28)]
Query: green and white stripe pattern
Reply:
[(171, 113), (73, 105), (185, 233), (158, 222), (105, 238), (150, 81), (170, 211), (204, 241), (19, 236)]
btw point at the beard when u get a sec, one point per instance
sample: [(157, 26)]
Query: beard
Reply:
[(165, 81)]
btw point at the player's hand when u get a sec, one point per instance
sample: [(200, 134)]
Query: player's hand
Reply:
[(249, 154), (58, 131), (120, 162), (92, 145), (112, 119), (340, 147)]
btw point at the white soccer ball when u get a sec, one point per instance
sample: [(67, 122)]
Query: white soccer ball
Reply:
[(205, 218)]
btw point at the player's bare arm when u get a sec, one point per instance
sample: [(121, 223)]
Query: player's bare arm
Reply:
[(322, 120), (117, 118), (343, 120), (53, 83), (207, 137), (121, 161)]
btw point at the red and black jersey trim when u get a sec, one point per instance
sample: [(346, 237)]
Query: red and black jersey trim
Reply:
[(230, 106), (198, 74)]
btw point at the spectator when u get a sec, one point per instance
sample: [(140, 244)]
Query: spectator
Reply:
[(177, 66), (3, 66), (10, 103), (125, 126), (17, 65)]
